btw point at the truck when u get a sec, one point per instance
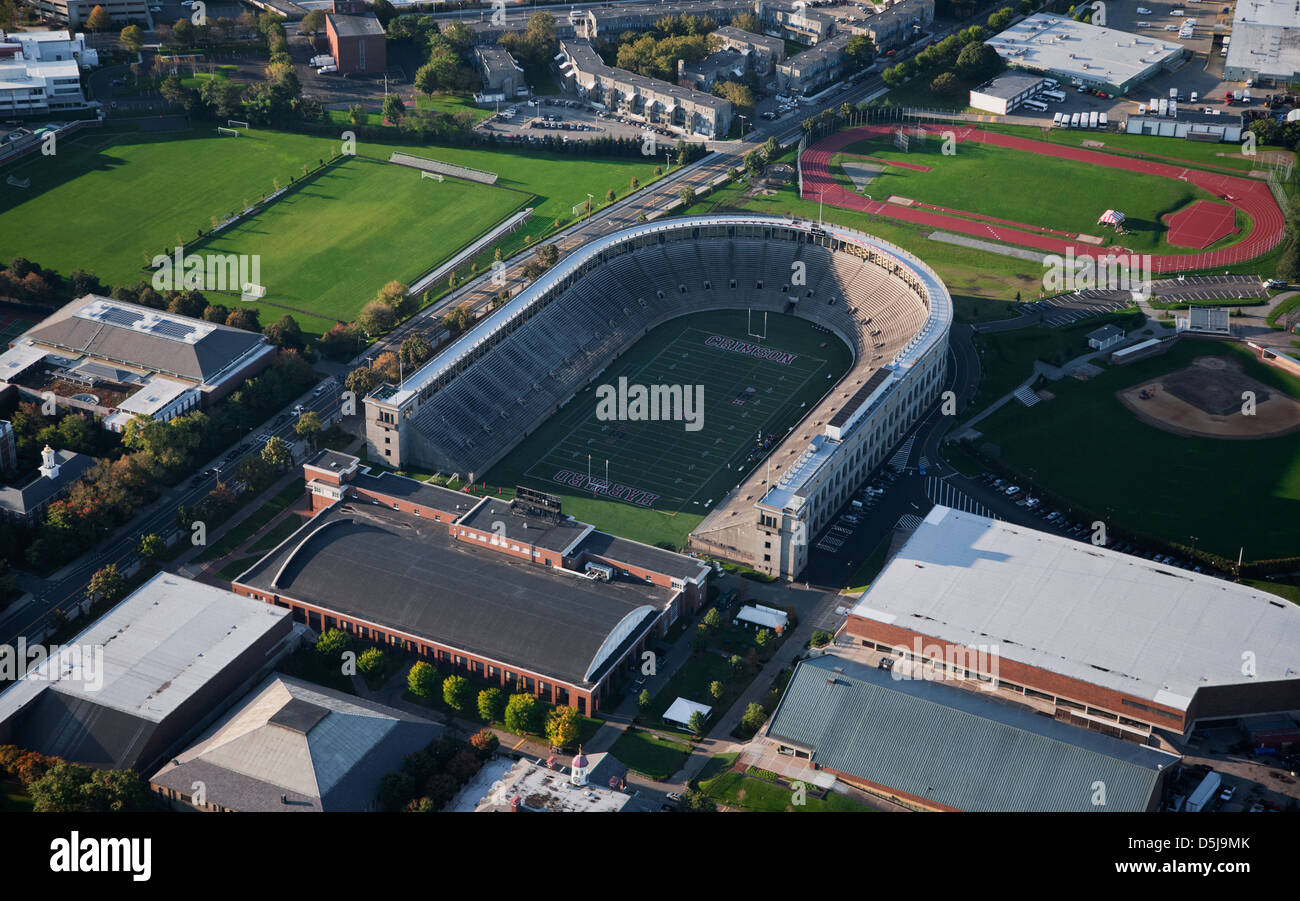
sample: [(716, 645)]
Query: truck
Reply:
[(1204, 793), (1164, 107)]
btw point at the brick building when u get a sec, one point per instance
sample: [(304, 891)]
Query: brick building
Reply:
[(511, 593), (357, 42)]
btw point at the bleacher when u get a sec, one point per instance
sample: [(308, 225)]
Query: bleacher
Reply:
[(481, 414)]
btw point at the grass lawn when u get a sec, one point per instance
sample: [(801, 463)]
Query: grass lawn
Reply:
[(1007, 358), (330, 245), (648, 754), (1281, 589), (452, 104), (683, 470), (13, 797), (1026, 187), (1282, 309), (1086, 447), (734, 789)]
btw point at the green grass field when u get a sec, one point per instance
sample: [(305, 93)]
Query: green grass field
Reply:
[(685, 470), (1086, 447), (328, 246), (110, 199), (1027, 187), (650, 755)]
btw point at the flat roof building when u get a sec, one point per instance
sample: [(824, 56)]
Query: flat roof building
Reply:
[(685, 110), (502, 76), (1079, 52), (293, 746), (865, 725), (478, 585), (1103, 638), (1006, 92), (357, 43), (117, 359), (1265, 42), (138, 680), (74, 13)]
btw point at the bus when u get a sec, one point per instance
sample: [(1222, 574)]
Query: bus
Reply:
[(1036, 105), (1074, 120), (1092, 120)]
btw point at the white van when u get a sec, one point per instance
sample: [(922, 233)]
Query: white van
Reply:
[(1103, 121), (1142, 109), (1056, 120), (1092, 120), (1074, 120)]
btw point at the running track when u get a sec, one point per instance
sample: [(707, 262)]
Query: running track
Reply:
[(1248, 195)]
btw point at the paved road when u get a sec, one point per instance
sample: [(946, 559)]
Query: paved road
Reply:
[(30, 614)]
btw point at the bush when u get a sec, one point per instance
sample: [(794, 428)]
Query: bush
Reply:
[(456, 691), (333, 642), (370, 662), (491, 704), (820, 639), (522, 713), (485, 743), (422, 680)]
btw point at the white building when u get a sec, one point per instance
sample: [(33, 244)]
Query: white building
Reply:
[(159, 398), (37, 87), (1006, 92), (1266, 45), (74, 13), (51, 46)]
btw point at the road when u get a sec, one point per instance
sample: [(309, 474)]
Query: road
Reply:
[(68, 585)]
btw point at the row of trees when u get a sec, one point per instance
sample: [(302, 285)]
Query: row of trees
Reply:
[(521, 713), (56, 786)]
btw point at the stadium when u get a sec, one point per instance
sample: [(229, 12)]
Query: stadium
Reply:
[(485, 393)]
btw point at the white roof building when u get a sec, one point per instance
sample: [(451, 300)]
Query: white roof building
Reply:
[(1265, 42), (681, 711), (763, 617)]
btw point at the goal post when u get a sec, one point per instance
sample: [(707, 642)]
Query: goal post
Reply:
[(227, 131), (434, 175), (235, 123)]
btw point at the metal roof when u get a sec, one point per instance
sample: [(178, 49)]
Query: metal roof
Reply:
[(1065, 606), (1049, 43), (958, 748)]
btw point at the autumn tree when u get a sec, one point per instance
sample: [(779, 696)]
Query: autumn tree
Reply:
[(562, 726), (107, 584), (99, 20)]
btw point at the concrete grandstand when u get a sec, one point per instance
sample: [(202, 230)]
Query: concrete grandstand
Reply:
[(473, 402)]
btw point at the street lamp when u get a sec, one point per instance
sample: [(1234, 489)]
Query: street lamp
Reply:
[(591, 202), (743, 121)]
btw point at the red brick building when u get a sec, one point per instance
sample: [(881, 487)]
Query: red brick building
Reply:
[(500, 591), (357, 42)]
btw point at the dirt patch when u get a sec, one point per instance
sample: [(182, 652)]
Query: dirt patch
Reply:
[(1205, 398)]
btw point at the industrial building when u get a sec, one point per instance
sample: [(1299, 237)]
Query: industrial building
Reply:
[(1082, 53), (1265, 43), (1094, 637), (292, 746), (865, 724), (117, 360), (1006, 92), (513, 593), (136, 683), (684, 110)]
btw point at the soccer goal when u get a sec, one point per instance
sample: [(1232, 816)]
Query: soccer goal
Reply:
[(17, 182), (424, 175), (227, 131), (253, 292), (901, 140), (919, 135), (580, 209), (235, 123)]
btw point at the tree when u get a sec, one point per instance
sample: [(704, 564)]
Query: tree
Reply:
[(151, 546), (99, 20), (172, 89), (491, 705), (821, 638), (70, 788), (740, 95), (415, 352), (285, 332), (333, 642), (763, 638), (256, 474), (308, 427), (357, 115), (716, 689), (713, 619), (183, 32), (977, 62), (457, 691), (522, 712), (735, 664), (747, 22), (700, 640), (393, 109), (377, 317), (132, 38), (860, 50), (313, 22), (755, 716), (643, 700), (370, 661), (276, 452), (422, 680), (696, 802), (107, 584), (686, 195), (395, 790), (485, 743), (562, 726), (696, 722), (946, 84)]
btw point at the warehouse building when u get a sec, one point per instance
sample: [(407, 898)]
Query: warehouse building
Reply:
[(1265, 42), (292, 746), (137, 682), (1096, 638), (514, 593), (117, 360), (1006, 92), (1081, 53), (864, 724)]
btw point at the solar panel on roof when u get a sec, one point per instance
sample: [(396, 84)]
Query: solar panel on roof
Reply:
[(120, 317), (169, 329)]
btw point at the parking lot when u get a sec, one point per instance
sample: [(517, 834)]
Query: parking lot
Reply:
[(567, 118)]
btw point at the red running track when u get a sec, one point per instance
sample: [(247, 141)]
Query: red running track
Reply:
[(1248, 195), (1200, 224)]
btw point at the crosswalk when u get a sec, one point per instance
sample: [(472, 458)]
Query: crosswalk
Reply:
[(908, 522), (1026, 395), (898, 462), (941, 491)]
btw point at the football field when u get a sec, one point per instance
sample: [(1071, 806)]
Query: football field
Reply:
[(663, 477)]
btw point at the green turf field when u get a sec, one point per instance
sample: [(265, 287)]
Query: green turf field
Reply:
[(109, 200), (329, 246), (1027, 187), (1087, 448), (685, 471)]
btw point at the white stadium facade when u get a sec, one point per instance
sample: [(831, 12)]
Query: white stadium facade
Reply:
[(482, 394)]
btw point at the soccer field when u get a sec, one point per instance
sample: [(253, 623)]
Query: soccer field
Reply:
[(673, 476), (329, 246), (1086, 447), (1030, 188)]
